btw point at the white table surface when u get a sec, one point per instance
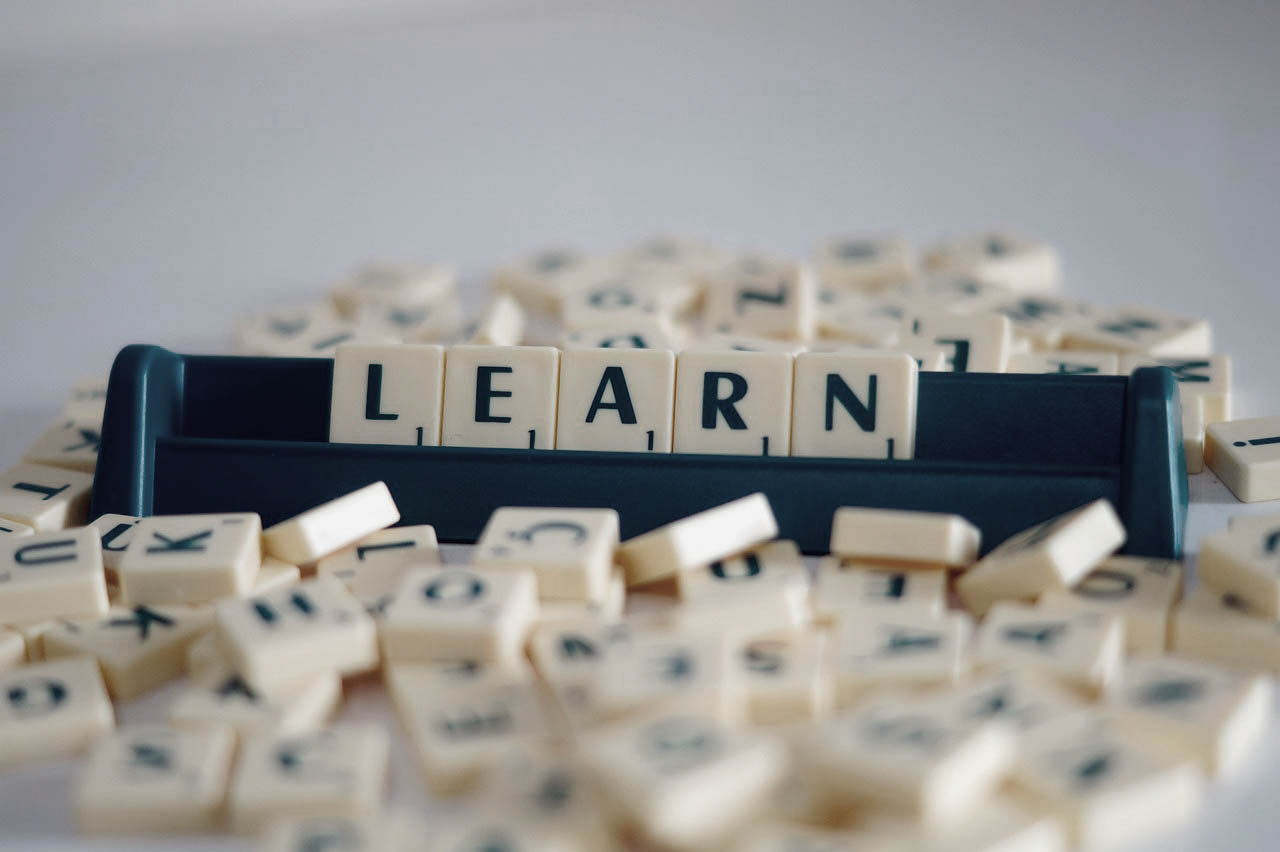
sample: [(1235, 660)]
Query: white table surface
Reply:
[(161, 175)]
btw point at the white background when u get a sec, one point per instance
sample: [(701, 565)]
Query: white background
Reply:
[(165, 167)]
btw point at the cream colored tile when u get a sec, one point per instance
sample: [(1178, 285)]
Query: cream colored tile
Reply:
[(1140, 591), (849, 317), (223, 699), (656, 332), (454, 676), (854, 405), (52, 710), (551, 793), (502, 323), (13, 649), (758, 592), (795, 837), (374, 564), (733, 402), (32, 633), (115, 532), (956, 294), (931, 538), (1133, 329), (686, 781), (455, 613), (621, 400), (44, 498), (906, 758), (51, 574), (615, 297), (1212, 715), (537, 279), (1245, 454), (461, 736), (1041, 320), (1002, 824), (1020, 264), (570, 550), (438, 321), (1193, 435), (315, 834), (335, 772), (1066, 363), (699, 539), (576, 652), (1206, 378), (1225, 630), (69, 443), (772, 299), (675, 671), (386, 284), (899, 651), (1108, 790), (1082, 650), (974, 344), (858, 589), (1017, 697), (138, 649), (387, 394), (275, 574), (787, 680), (152, 780), (501, 396), (864, 262), (1053, 555), (13, 529), (331, 526), (280, 329), (190, 559), (87, 399), (288, 634), (607, 610)]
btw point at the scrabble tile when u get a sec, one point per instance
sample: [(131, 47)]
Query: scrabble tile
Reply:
[(537, 279), (44, 498), (654, 332), (13, 649), (736, 403), (294, 632), (191, 559), (331, 526), (854, 405), (502, 323), (1212, 715), (848, 316), (1140, 591), (974, 344), (501, 396), (1224, 629), (1017, 697), (32, 633), (1206, 378), (956, 294), (931, 538), (698, 539), (853, 590), (684, 780), (387, 394), (1245, 565), (87, 399), (380, 559), (1193, 435), (1066, 363), (393, 284), (547, 792), (1020, 264), (485, 830), (929, 359), (1109, 791), (1041, 320), (280, 329), (902, 651), (769, 299), (223, 699), (622, 400), (1245, 454), (461, 736), (152, 780), (320, 833), (204, 657), (570, 550), (138, 649), (275, 574), (335, 772), (608, 609), (794, 837), (612, 297), (786, 679), (454, 676), (1139, 330), (861, 262), (577, 651), (13, 529), (322, 341), (760, 591), (452, 613), (71, 444), (51, 574), (51, 710), (1260, 525), (688, 672), (908, 759), (744, 343), (1055, 554), (1002, 824), (115, 532), (1082, 650)]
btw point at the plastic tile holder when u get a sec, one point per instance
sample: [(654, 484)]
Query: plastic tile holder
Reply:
[(201, 433)]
